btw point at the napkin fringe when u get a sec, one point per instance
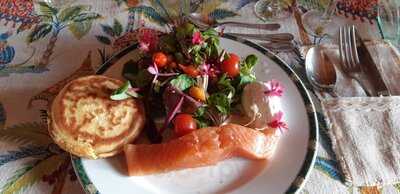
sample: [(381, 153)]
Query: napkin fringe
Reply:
[(346, 178)]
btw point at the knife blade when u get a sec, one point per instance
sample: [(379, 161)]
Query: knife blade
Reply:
[(278, 37), (370, 68)]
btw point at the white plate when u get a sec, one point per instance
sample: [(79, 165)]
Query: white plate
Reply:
[(285, 173)]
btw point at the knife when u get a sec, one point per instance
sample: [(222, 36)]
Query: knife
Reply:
[(278, 37), (370, 68)]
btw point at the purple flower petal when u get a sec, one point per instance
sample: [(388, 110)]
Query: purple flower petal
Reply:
[(152, 70)]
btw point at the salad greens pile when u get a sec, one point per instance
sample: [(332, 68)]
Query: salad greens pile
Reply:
[(187, 79)]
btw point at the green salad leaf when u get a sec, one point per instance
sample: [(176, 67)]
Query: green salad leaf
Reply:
[(124, 92), (210, 33), (225, 86), (247, 65), (200, 112), (182, 82), (202, 123), (201, 118), (212, 42), (221, 102), (246, 70)]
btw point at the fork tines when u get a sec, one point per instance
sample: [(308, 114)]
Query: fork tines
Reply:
[(348, 49)]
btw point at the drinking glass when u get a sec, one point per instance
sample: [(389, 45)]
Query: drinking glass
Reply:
[(388, 20), (319, 23), (270, 10)]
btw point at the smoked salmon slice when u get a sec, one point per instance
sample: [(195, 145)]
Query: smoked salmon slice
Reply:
[(202, 147)]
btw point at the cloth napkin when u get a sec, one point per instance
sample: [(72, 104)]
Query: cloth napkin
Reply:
[(365, 131), (365, 134)]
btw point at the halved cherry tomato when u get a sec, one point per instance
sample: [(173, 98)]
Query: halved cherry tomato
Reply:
[(184, 124), (197, 93), (231, 65), (160, 59), (190, 70)]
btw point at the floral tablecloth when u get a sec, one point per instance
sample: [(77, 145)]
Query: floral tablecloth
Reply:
[(44, 42)]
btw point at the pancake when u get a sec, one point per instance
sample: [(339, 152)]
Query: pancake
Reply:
[(86, 122)]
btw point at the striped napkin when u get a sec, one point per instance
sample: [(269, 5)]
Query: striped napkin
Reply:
[(365, 134)]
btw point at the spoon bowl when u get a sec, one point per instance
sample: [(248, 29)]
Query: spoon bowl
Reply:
[(320, 70)]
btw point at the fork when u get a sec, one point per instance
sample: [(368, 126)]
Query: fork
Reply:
[(349, 55)]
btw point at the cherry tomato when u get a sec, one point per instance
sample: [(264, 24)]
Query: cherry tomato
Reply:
[(160, 59), (197, 93), (190, 70), (184, 124), (231, 65)]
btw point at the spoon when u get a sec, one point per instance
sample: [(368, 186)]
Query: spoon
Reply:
[(320, 70), (196, 20)]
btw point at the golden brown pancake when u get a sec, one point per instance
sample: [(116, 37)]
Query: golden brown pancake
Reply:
[(86, 122)]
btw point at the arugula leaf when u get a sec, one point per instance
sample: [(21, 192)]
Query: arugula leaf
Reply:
[(221, 102), (182, 82)]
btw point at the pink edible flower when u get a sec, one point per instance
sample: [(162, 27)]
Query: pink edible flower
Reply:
[(144, 46), (274, 88), (277, 122), (148, 39), (205, 69), (197, 39)]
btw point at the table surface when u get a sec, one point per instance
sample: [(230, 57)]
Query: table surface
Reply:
[(33, 59)]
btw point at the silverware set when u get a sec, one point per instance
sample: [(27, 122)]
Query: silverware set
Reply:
[(356, 63)]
